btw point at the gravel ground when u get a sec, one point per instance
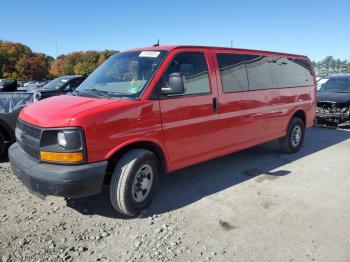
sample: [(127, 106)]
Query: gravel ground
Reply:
[(255, 205)]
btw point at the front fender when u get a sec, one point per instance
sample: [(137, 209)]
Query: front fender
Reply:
[(141, 141)]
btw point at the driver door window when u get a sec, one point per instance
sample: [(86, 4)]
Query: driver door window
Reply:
[(193, 67)]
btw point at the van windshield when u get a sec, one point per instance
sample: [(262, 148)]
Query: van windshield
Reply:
[(122, 75)]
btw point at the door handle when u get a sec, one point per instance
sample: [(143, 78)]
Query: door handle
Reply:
[(215, 104)]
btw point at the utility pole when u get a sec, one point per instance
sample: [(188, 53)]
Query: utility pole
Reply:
[(231, 43), (56, 51)]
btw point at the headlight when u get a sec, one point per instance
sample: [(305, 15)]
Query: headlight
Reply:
[(65, 145), (61, 139)]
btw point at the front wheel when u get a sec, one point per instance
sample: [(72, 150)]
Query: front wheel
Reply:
[(294, 138), (134, 181), (3, 144)]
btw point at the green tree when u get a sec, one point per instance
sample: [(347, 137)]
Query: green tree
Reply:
[(330, 65)]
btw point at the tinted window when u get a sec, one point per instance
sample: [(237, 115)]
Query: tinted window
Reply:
[(259, 73), (287, 72), (76, 82), (336, 85), (193, 67), (73, 84), (233, 72)]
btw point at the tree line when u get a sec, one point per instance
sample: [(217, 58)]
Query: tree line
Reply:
[(329, 66), (19, 62)]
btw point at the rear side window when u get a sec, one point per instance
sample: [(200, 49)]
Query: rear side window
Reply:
[(288, 72), (193, 67), (259, 73), (242, 72), (233, 72)]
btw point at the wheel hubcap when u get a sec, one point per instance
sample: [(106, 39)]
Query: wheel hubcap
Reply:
[(142, 183), (296, 136)]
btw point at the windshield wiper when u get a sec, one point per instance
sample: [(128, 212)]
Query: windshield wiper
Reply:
[(98, 92)]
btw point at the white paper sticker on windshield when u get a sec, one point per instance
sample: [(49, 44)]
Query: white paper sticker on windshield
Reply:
[(149, 54)]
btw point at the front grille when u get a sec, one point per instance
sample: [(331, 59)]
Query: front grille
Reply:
[(328, 107), (30, 151), (28, 129)]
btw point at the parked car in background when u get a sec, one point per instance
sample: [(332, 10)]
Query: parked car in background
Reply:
[(60, 85), (333, 101), (10, 106), (160, 109), (29, 85), (12, 102), (8, 85)]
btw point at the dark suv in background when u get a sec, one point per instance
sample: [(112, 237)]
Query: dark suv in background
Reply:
[(60, 85), (333, 101)]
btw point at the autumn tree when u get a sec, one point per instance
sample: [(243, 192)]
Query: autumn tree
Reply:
[(18, 62)]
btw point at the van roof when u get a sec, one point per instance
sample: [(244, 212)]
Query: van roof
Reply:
[(173, 47)]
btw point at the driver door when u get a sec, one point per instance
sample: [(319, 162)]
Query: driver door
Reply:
[(190, 121)]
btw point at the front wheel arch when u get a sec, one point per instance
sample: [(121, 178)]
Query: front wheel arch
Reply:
[(131, 190), (147, 145)]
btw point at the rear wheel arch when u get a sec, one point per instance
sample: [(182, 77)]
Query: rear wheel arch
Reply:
[(294, 138), (300, 114), (147, 145)]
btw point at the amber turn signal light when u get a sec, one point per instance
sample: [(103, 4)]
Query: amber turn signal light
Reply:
[(61, 156)]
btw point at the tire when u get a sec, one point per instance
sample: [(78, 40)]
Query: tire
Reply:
[(290, 144), (135, 171), (3, 144)]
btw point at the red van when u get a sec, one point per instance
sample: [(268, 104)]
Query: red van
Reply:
[(155, 110)]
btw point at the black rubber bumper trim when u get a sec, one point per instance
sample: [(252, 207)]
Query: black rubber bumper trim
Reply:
[(57, 180)]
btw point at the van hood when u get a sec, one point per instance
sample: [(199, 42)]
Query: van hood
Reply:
[(58, 111)]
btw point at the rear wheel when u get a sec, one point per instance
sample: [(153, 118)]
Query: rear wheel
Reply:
[(294, 138), (134, 181)]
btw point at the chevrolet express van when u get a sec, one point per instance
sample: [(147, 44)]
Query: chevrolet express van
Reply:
[(155, 110)]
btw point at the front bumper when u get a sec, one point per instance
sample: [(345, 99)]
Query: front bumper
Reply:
[(57, 180)]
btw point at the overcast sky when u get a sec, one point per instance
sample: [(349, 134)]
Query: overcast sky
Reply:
[(313, 28)]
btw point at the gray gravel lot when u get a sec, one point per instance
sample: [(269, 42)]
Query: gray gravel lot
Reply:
[(255, 205)]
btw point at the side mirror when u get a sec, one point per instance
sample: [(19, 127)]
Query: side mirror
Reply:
[(176, 85)]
